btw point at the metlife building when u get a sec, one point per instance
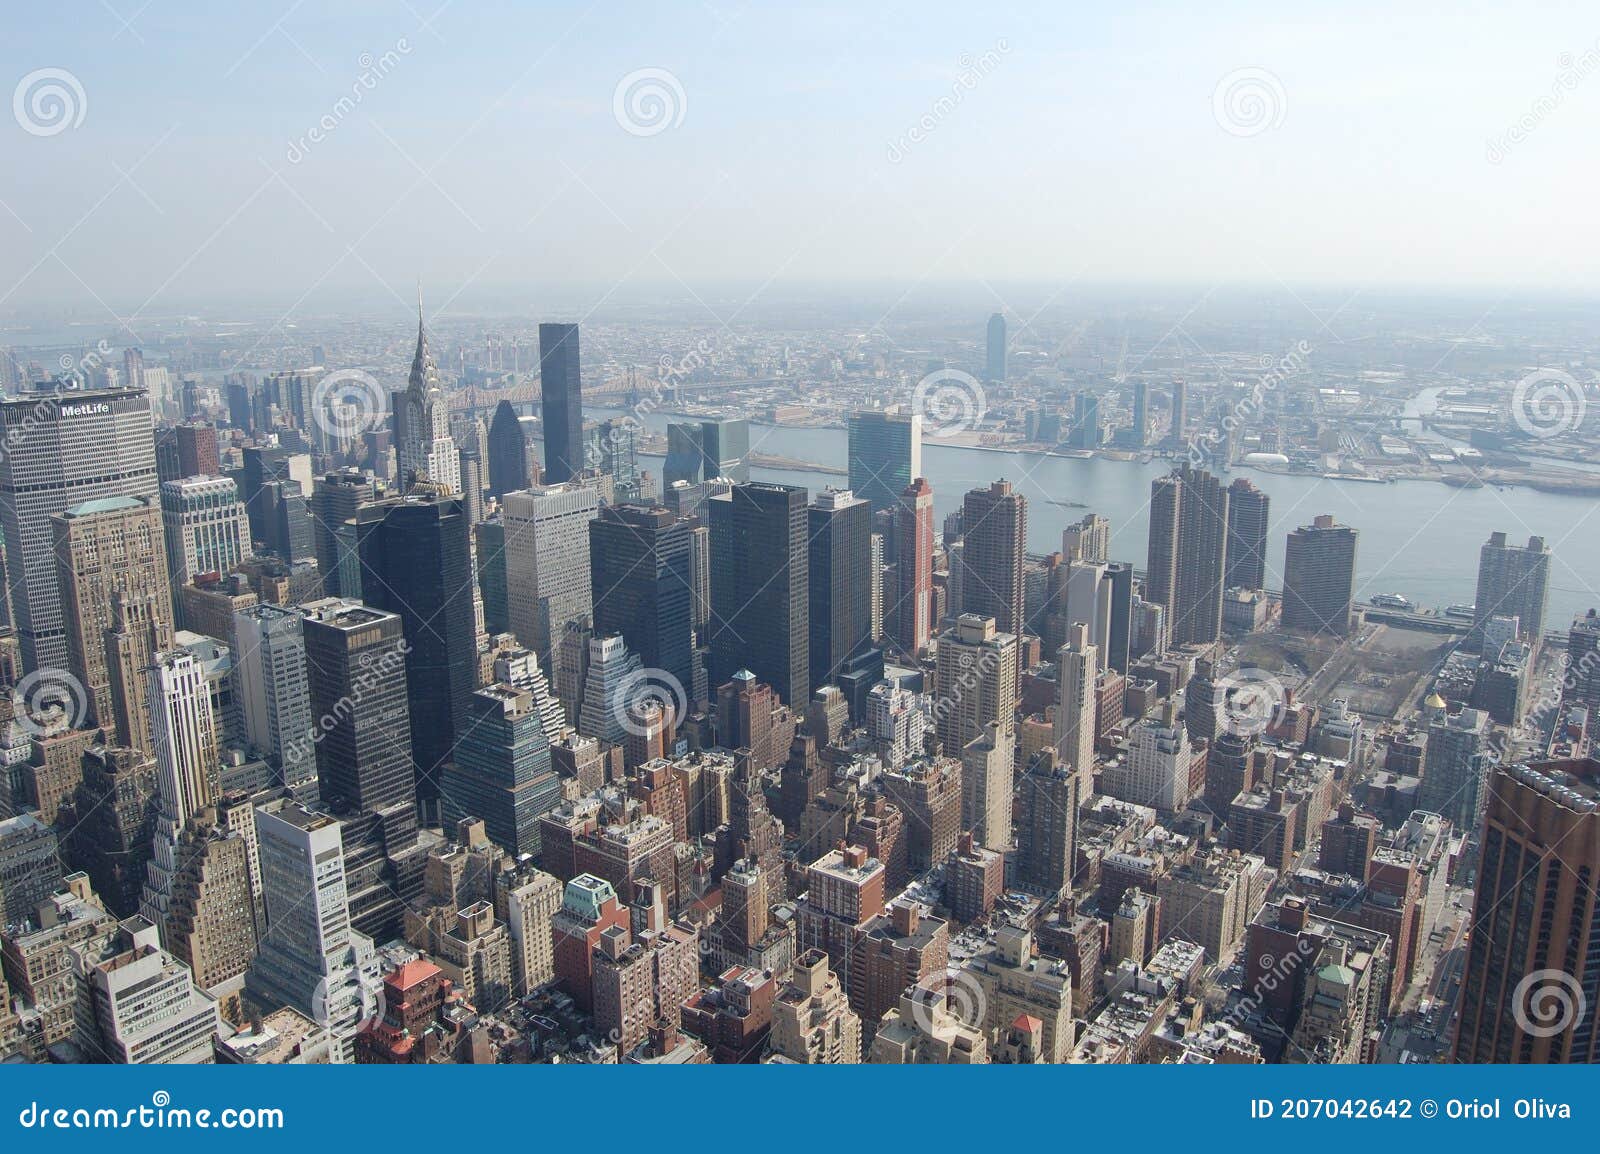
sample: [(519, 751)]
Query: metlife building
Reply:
[(58, 451)]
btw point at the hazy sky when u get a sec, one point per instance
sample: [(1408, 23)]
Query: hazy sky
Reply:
[(1083, 146)]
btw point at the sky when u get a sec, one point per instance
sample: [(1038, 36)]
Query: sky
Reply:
[(490, 154)]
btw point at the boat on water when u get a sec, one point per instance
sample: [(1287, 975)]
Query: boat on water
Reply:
[(1461, 612), (1392, 601)]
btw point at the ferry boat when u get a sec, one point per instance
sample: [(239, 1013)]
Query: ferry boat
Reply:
[(1392, 601), (1461, 612)]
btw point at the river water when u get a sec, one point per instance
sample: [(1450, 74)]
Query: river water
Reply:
[(1418, 538)]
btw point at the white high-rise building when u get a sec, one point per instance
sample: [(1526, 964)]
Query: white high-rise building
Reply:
[(530, 910), (976, 680), (1087, 601), (1076, 704), (184, 732), (547, 561), (311, 957), (140, 1005), (1155, 771), (274, 694), (896, 723), (988, 785), (184, 736)]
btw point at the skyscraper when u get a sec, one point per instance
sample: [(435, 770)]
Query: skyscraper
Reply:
[(704, 450), (61, 451), (1049, 796), (561, 399), (840, 532), (1535, 920), (1458, 763), (1180, 415), (643, 586), (424, 449), (995, 533), (471, 488), (311, 957), (1188, 553), (548, 579), (1088, 430), (611, 671), (1247, 536), (1120, 576), (141, 1006), (510, 455), (1512, 582), (489, 537), (986, 785), (760, 588), (913, 535), (1089, 540), (976, 681), (1141, 414), (108, 551), (269, 670), (885, 454), (416, 552), (1076, 669), (1319, 577), (194, 449), (184, 734), (356, 674), (206, 527), (994, 360), (726, 448), (335, 499), (501, 769)]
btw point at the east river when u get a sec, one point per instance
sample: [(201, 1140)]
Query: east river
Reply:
[(1418, 538)]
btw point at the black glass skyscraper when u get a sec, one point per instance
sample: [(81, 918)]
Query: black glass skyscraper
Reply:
[(760, 611), (508, 452), (415, 563), (840, 535), (639, 570), (356, 680), (685, 454), (501, 769), (1119, 575), (561, 394)]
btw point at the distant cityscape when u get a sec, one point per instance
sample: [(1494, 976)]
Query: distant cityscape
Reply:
[(1008, 689)]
